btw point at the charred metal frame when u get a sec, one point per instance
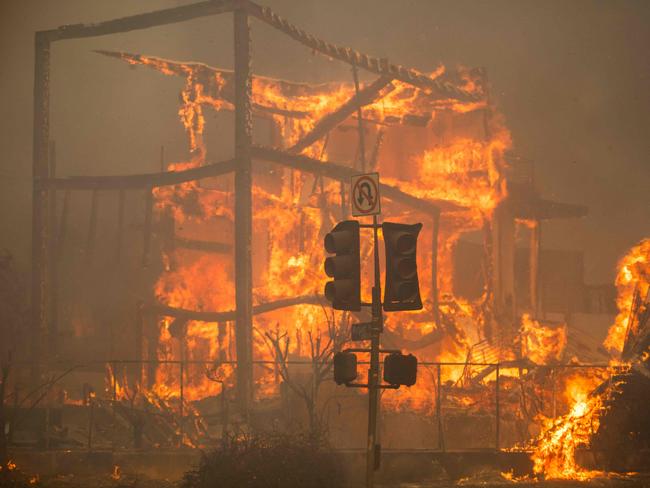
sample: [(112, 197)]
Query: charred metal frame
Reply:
[(46, 183), (439, 397)]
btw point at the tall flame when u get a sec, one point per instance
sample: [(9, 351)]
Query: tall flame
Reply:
[(633, 277), (555, 448)]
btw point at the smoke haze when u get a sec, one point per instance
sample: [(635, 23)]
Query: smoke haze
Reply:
[(570, 77)]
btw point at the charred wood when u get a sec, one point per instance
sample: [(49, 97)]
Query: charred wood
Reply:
[(343, 173), (374, 157), (364, 97), (206, 246), (230, 315)]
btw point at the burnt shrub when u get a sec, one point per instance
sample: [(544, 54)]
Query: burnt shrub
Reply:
[(268, 460)]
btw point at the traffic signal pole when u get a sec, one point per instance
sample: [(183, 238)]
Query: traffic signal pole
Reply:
[(402, 293), (372, 449)]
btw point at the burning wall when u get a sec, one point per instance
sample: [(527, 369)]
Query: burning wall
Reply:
[(443, 151)]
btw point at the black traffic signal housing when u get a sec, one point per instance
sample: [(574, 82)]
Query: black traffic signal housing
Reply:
[(402, 290), (345, 266), (400, 369), (345, 367)]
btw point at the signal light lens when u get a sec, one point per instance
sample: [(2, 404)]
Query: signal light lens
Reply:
[(405, 243), (407, 292), (339, 266), (345, 367), (400, 369), (338, 242), (406, 267)]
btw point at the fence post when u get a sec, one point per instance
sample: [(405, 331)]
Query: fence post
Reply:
[(497, 405), (441, 439), (180, 422), (91, 420)]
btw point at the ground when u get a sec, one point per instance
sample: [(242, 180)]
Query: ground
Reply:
[(485, 481)]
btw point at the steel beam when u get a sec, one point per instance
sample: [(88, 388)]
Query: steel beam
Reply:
[(243, 209), (40, 217), (143, 21)]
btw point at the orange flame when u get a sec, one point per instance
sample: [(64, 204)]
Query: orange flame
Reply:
[(555, 448), (541, 344), (431, 150), (633, 277)]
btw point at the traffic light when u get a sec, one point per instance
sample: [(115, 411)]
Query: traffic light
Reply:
[(345, 267), (402, 291), (400, 369), (345, 367)]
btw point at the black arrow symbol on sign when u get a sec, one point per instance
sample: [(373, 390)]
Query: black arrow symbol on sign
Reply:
[(365, 193)]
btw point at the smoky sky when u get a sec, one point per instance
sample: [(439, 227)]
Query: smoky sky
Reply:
[(571, 78)]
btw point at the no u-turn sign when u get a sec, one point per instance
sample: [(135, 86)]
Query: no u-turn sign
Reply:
[(364, 198)]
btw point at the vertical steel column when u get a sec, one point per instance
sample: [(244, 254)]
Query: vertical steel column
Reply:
[(434, 266), (40, 227), (53, 316), (243, 207)]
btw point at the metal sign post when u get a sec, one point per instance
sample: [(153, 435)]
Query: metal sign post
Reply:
[(399, 369), (372, 458), (365, 201)]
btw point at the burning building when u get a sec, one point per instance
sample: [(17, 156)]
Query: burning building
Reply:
[(229, 303)]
